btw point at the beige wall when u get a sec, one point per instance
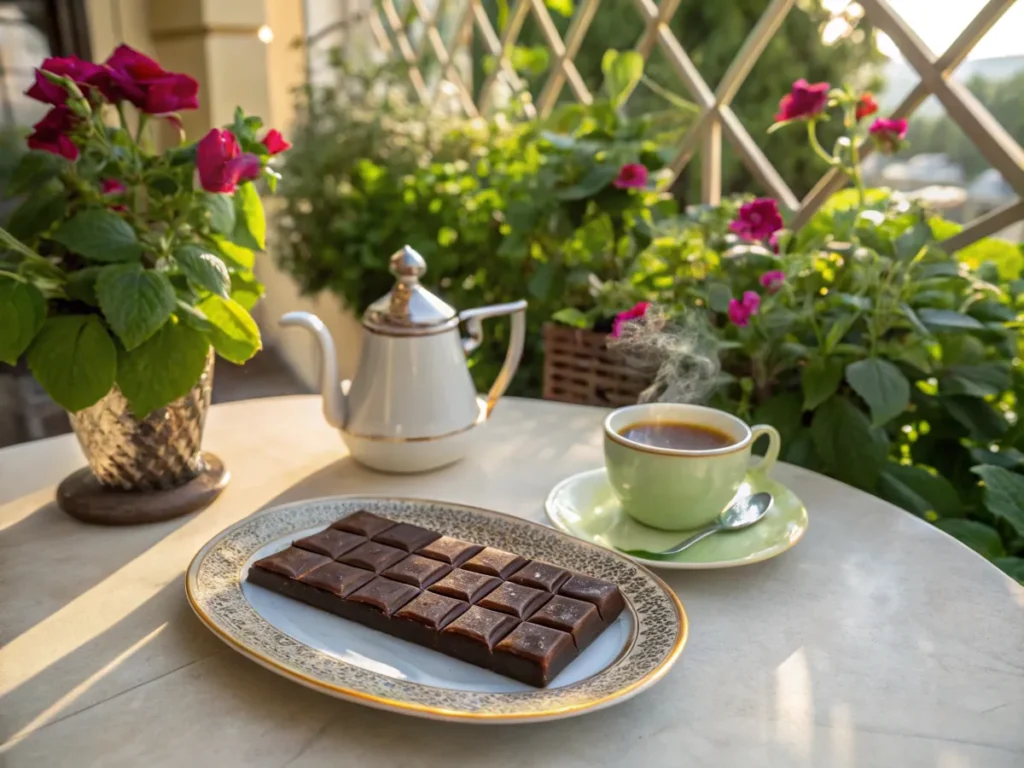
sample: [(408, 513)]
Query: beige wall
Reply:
[(217, 42)]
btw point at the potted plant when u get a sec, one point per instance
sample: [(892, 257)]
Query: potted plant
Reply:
[(124, 269)]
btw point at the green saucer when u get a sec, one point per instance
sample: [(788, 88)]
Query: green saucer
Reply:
[(584, 506)]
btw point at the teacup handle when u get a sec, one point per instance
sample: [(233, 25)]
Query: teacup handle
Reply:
[(774, 444)]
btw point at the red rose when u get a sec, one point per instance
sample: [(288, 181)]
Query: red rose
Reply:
[(147, 85), (83, 73), (221, 163), (758, 219), (866, 105), (631, 176), (804, 101), (51, 133), (275, 142), (889, 134)]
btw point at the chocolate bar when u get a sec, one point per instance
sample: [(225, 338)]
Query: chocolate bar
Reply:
[(524, 619)]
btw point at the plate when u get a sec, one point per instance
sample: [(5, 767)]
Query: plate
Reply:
[(585, 506), (353, 662)]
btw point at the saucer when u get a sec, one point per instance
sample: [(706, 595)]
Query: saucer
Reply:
[(585, 506)]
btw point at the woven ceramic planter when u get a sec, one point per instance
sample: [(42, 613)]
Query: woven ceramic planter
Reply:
[(579, 368), (156, 453)]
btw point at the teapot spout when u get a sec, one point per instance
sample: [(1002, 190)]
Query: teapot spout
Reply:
[(330, 387)]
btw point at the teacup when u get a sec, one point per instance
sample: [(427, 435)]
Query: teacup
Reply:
[(678, 489)]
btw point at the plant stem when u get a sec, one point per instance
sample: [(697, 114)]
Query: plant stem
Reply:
[(812, 137), (143, 118), (123, 118)]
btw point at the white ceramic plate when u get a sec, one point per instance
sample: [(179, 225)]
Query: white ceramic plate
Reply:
[(585, 506), (353, 662)]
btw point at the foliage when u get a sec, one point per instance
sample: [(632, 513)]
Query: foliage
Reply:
[(501, 209), (117, 267)]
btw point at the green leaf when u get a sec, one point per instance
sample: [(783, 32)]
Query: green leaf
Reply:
[(983, 539), (849, 448), (222, 213), (246, 289), (914, 320), (571, 317), (203, 269), (22, 313), (819, 380), (719, 296), (135, 301), (882, 386), (838, 330), (980, 419), (948, 320), (1004, 494), (1008, 458), (34, 169), (910, 243), (74, 359), (99, 235), (41, 210), (164, 368), (622, 71), (250, 225), (1011, 566), (81, 285), (561, 7), (1007, 257), (235, 335), (918, 491), (234, 255), (596, 178), (784, 412), (986, 380)]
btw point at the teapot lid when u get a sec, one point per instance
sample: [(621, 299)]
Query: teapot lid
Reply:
[(409, 309)]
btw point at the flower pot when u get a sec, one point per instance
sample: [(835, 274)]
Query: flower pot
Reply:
[(580, 369), (155, 453)]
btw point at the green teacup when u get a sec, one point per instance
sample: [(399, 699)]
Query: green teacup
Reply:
[(677, 489)]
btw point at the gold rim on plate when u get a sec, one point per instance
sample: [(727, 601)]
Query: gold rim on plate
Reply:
[(214, 589)]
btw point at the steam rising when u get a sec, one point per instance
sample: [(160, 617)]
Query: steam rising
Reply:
[(681, 353)]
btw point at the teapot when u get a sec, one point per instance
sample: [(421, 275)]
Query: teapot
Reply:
[(412, 405)]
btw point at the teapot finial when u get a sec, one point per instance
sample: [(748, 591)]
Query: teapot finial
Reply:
[(407, 263)]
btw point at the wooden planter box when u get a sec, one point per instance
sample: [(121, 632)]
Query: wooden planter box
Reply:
[(578, 368)]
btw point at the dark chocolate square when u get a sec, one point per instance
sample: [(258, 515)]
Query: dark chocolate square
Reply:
[(534, 654), (578, 618), (515, 599), (330, 542), (385, 595), (605, 595), (373, 556), (338, 578), (419, 571), (540, 576), (407, 537), (292, 562), (495, 562), (450, 550), (364, 523), (481, 627), (465, 585), (432, 610)]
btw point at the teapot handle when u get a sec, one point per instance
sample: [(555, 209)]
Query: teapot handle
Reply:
[(473, 317)]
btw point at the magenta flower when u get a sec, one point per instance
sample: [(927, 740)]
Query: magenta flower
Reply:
[(84, 74), (758, 219), (112, 187), (221, 163), (631, 176), (740, 310), (889, 134), (806, 100), (275, 142), (137, 78), (772, 281), (51, 133), (635, 313)]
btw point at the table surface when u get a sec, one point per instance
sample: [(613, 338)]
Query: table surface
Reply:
[(877, 641)]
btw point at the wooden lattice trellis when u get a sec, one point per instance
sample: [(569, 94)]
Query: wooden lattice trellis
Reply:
[(716, 119)]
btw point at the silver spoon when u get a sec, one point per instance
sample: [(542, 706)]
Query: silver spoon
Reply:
[(741, 514)]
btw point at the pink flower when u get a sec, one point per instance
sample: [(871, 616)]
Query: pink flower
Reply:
[(805, 101), (275, 142), (772, 280), (889, 134), (635, 313), (51, 133), (631, 176), (140, 80), (84, 74), (740, 310), (112, 187), (773, 241), (221, 163), (758, 219)]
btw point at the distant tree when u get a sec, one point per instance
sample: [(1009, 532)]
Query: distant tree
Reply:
[(711, 32), (1003, 97)]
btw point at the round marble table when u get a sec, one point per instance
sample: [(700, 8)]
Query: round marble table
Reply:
[(877, 641)]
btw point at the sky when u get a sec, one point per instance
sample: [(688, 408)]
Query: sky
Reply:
[(938, 22)]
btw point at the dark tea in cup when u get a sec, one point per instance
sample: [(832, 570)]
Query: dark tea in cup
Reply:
[(676, 435)]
